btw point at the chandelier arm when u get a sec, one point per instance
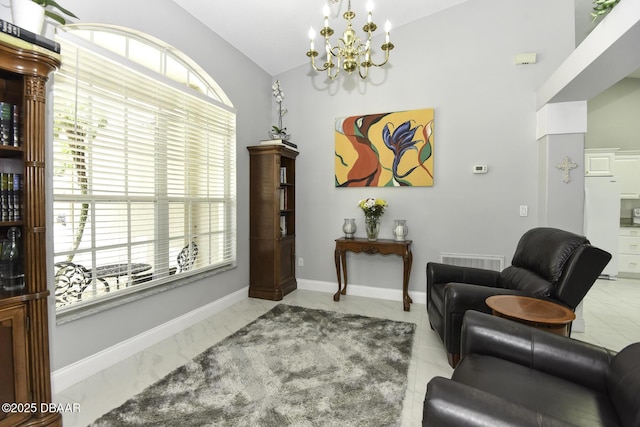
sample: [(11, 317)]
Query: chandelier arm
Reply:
[(386, 47), (312, 54)]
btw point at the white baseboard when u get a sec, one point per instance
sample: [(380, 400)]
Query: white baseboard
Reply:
[(71, 374), (362, 291)]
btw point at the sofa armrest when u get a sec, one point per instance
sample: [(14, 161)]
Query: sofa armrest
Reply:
[(448, 403), (445, 273), (576, 361), (460, 297)]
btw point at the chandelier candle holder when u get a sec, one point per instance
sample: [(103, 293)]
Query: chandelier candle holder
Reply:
[(350, 52)]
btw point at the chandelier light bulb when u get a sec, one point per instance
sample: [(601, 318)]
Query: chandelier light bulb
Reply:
[(370, 6), (387, 26), (312, 35)]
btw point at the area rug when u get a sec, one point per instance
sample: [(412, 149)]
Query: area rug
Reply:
[(292, 366)]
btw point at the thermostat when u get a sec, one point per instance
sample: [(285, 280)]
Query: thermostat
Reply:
[(480, 169)]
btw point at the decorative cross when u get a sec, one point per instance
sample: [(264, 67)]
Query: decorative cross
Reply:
[(566, 166)]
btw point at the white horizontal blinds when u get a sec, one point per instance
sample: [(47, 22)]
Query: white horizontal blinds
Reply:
[(142, 168)]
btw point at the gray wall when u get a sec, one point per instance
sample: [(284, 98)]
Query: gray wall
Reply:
[(461, 63), (613, 117), (248, 87)]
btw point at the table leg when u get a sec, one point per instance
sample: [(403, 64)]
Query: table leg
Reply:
[(336, 255), (406, 299), (343, 256)]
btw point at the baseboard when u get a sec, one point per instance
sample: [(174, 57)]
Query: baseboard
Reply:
[(362, 291), (71, 374)]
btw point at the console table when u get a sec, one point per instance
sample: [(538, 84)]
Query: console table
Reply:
[(382, 247)]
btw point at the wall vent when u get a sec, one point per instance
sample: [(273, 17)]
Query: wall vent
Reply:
[(488, 262)]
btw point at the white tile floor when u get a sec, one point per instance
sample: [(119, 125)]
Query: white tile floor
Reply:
[(611, 312)]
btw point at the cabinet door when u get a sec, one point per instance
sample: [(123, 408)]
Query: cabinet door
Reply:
[(13, 363), (599, 163), (628, 173)]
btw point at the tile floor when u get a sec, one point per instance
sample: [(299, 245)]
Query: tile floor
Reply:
[(611, 313)]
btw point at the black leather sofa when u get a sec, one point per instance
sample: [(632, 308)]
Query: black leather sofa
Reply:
[(548, 263), (511, 374)]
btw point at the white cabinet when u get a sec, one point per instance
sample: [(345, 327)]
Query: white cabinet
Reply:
[(599, 162), (629, 250), (627, 168)]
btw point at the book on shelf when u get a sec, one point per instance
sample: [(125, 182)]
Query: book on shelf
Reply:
[(11, 29), (10, 200), (283, 174), (290, 145), (10, 124)]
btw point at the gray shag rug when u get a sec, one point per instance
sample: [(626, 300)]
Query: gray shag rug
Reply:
[(292, 366)]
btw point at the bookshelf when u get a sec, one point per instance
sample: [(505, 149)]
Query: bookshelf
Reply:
[(272, 222), (25, 375)]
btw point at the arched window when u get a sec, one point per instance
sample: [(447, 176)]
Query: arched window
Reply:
[(144, 192)]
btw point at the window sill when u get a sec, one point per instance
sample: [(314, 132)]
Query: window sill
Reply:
[(91, 307)]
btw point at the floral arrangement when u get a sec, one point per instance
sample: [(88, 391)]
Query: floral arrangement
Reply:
[(278, 132), (372, 208)]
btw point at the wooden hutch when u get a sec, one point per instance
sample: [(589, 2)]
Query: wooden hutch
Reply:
[(25, 375)]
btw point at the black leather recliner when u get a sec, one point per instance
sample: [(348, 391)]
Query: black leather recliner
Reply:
[(513, 374), (548, 263)]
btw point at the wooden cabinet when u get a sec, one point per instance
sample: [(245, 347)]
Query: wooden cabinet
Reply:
[(25, 376), (629, 251), (627, 168), (272, 222)]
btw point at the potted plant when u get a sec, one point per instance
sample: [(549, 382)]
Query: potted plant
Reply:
[(50, 7), (29, 14)]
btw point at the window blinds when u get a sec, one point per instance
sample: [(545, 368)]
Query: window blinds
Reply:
[(143, 168)]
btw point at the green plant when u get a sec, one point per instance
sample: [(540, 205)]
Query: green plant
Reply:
[(49, 5), (602, 7)]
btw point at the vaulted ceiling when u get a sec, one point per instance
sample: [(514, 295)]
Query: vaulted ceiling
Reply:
[(273, 34)]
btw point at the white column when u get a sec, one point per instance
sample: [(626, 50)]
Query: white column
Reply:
[(560, 133)]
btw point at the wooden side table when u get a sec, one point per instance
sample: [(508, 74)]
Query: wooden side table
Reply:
[(382, 247), (538, 313)]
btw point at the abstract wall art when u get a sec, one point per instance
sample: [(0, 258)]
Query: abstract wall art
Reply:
[(385, 150)]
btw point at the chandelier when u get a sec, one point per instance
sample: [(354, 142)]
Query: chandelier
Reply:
[(350, 52)]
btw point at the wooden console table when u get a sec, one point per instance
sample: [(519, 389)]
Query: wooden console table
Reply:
[(382, 247)]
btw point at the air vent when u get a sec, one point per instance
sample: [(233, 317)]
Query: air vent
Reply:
[(487, 262)]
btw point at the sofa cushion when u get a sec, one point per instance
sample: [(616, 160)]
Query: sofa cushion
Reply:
[(540, 392), (521, 279), (623, 384), (546, 250)]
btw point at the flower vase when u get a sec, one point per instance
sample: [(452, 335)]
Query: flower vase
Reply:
[(372, 226), (349, 228), (400, 230)]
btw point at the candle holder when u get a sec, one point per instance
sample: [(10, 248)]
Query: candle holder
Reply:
[(349, 228), (400, 230)]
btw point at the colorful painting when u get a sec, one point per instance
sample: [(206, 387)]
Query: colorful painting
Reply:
[(385, 150)]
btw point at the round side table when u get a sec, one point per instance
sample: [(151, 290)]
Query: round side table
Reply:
[(538, 313)]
